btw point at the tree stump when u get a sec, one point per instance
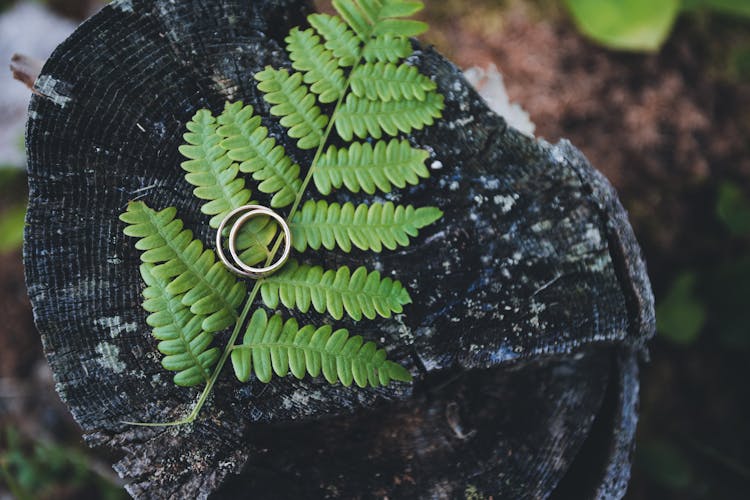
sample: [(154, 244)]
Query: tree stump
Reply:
[(531, 300)]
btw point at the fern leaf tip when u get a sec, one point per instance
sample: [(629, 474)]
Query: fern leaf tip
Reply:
[(398, 373)]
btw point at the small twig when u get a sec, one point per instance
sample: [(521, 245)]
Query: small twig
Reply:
[(26, 69)]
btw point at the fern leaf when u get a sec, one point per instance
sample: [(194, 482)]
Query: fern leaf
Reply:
[(272, 346), (357, 20), (246, 141), (186, 346), (320, 68), (358, 294), (320, 224), (389, 82), (380, 17), (210, 170), (365, 118), (339, 39), (205, 286), (387, 48), (214, 174), (294, 104), (362, 167)]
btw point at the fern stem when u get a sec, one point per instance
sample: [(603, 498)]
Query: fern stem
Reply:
[(319, 152), (314, 164), (327, 133), (227, 351)]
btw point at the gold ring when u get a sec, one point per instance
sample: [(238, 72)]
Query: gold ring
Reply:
[(237, 266)]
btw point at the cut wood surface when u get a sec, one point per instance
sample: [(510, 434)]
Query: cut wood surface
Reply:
[(530, 299)]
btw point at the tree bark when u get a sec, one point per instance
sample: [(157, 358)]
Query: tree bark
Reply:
[(531, 300)]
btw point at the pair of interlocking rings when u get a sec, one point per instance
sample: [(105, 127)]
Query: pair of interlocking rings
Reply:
[(236, 265)]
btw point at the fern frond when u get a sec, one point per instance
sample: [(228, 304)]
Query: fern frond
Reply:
[(362, 167), (190, 296), (365, 118), (387, 48), (366, 227), (339, 39), (389, 82), (358, 294), (247, 141), (210, 170), (274, 346), (294, 104), (186, 346), (204, 285), (320, 68), (380, 17)]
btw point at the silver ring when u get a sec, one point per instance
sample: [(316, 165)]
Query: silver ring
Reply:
[(237, 266)]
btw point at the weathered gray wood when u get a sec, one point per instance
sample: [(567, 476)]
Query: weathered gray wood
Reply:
[(531, 300)]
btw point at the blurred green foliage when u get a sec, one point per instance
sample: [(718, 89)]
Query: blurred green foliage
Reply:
[(727, 292), (11, 228), (739, 63), (665, 464), (641, 25), (8, 175), (705, 312), (720, 293), (728, 286), (39, 470), (681, 315), (12, 216), (733, 209)]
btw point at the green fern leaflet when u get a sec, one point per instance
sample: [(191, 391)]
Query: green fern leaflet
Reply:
[(367, 168), (193, 274), (367, 227), (358, 294), (273, 346), (347, 79), (184, 342)]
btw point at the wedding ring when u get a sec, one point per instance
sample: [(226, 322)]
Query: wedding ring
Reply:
[(236, 265)]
